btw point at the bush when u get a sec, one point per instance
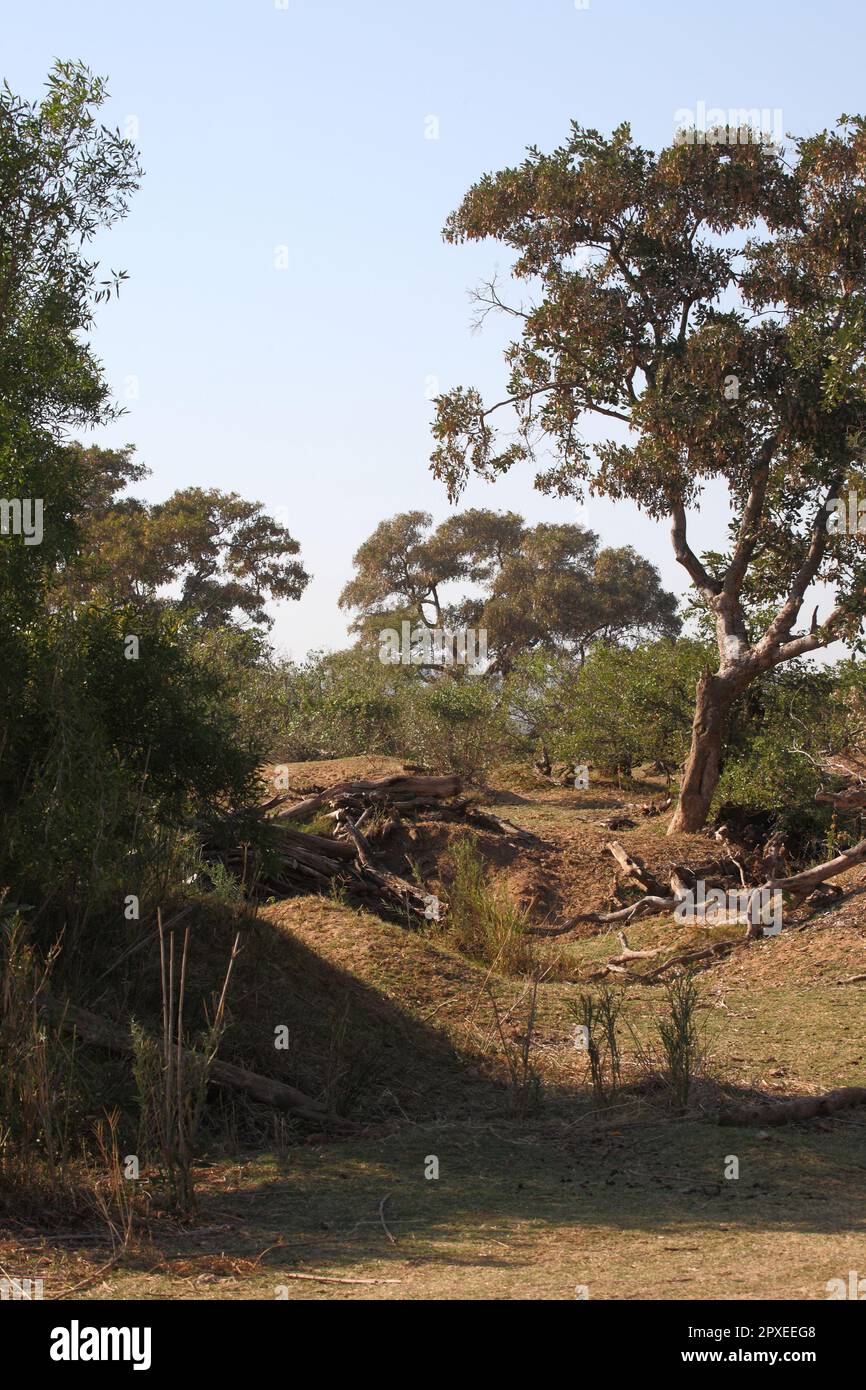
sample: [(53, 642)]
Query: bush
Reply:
[(340, 705), (455, 725), (623, 706), (113, 768), (780, 735)]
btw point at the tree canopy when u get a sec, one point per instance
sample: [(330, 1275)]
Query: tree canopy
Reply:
[(544, 586), (63, 177), (213, 554)]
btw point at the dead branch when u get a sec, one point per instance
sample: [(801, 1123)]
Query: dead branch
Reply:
[(646, 907), (396, 788), (103, 1033), (485, 820), (810, 878), (338, 1279), (634, 868), (628, 954), (382, 1218)]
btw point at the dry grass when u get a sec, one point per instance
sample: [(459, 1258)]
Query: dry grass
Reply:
[(630, 1199)]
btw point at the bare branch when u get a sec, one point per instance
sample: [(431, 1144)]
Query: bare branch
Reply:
[(784, 620), (748, 532), (686, 556), (555, 386)]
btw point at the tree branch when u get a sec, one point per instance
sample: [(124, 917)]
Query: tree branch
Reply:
[(748, 532), (555, 386), (780, 627), (684, 554)]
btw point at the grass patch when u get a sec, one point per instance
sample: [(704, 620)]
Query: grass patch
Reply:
[(483, 920)]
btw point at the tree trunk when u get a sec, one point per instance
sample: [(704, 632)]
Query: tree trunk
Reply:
[(701, 773)]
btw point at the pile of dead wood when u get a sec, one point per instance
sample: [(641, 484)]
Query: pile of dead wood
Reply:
[(301, 861), (808, 886)]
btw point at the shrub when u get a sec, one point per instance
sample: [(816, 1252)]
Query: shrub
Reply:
[(455, 725), (484, 922), (680, 1037)]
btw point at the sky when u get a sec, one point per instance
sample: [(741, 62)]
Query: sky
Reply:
[(291, 306)]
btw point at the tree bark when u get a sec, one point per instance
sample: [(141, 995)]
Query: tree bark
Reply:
[(703, 765), (782, 1112)]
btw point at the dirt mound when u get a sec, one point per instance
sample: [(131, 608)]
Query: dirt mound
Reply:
[(307, 777)]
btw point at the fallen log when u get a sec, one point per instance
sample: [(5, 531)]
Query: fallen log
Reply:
[(810, 878), (687, 959), (682, 883), (334, 849), (717, 951), (645, 907), (405, 895), (101, 1032), (848, 799), (800, 884), (323, 864), (785, 1112), (634, 868), (628, 954), (485, 820), (395, 788)]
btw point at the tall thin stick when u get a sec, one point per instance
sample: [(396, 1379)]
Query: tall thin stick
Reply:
[(179, 1063)]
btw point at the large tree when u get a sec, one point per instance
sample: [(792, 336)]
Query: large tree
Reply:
[(213, 554), (535, 587), (710, 300)]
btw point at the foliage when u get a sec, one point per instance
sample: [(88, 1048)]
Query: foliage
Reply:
[(211, 554), (793, 721), (63, 177), (543, 586), (454, 726), (680, 1037), (622, 707), (483, 921)]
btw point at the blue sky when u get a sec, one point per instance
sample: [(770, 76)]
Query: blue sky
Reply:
[(303, 125)]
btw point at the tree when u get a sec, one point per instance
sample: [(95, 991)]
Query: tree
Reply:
[(398, 568), (223, 553), (711, 301), (98, 751), (557, 591), (544, 587), (63, 177), (622, 706)]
